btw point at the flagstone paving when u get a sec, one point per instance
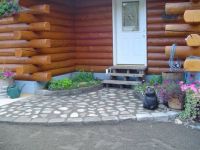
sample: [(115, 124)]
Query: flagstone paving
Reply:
[(104, 105)]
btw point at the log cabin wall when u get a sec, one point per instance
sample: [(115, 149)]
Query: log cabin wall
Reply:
[(158, 38), (77, 35), (93, 30), (58, 40)]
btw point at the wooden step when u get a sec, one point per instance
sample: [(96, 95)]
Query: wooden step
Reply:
[(129, 67), (120, 82), (126, 75)]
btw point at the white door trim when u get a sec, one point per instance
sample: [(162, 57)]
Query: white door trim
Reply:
[(114, 3)]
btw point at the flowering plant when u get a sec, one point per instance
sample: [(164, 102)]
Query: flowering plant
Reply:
[(6, 74), (192, 100), (169, 90)]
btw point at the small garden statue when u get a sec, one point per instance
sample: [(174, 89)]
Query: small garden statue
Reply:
[(150, 100)]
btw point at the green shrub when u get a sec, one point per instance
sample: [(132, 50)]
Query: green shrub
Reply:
[(140, 88), (155, 79), (61, 84), (8, 7), (83, 77)]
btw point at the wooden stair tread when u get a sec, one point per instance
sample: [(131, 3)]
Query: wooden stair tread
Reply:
[(126, 75), (129, 67), (120, 82)]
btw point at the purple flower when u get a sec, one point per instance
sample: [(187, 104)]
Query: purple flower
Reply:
[(8, 74)]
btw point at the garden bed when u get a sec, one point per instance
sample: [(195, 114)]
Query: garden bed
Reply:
[(81, 90), (78, 84)]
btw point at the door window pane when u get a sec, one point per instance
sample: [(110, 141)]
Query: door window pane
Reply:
[(130, 16)]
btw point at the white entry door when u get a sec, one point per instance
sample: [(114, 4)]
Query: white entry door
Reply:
[(130, 32)]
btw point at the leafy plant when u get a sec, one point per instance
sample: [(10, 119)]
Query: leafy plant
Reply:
[(8, 7), (155, 79), (140, 88), (61, 84), (192, 101), (83, 77)]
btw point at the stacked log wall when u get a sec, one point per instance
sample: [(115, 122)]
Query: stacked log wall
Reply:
[(39, 45), (158, 38), (93, 30)]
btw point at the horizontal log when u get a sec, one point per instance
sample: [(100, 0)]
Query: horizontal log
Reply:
[(62, 43), (179, 8), (156, 49), (11, 67), (94, 55), (193, 40), (155, 12), (57, 65), (182, 28), (158, 70), (106, 49), (56, 35), (92, 62), (90, 36), (61, 71), (92, 68), (25, 52), (157, 56), (159, 63), (38, 9), (61, 56), (24, 69), (101, 29), (38, 60), (18, 35), (40, 26), (177, 34), (192, 16), (194, 1), (39, 76), (19, 18), (192, 65), (165, 41), (157, 20), (55, 50), (183, 51), (97, 42), (18, 52), (42, 43)]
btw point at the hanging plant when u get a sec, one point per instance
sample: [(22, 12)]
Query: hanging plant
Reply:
[(9, 7)]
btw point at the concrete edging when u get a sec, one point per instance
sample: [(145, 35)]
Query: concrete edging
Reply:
[(69, 92), (157, 117)]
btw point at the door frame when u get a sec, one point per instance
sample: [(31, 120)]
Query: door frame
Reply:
[(114, 24)]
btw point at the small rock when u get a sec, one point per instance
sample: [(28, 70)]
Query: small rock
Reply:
[(63, 108), (74, 115), (57, 112), (178, 121)]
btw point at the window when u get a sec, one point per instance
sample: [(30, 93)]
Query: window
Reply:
[(130, 16)]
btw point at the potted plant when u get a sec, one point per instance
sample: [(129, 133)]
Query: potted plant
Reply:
[(170, 94), (6, 79)]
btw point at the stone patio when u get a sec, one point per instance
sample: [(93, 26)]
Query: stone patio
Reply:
[(105, 105)]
